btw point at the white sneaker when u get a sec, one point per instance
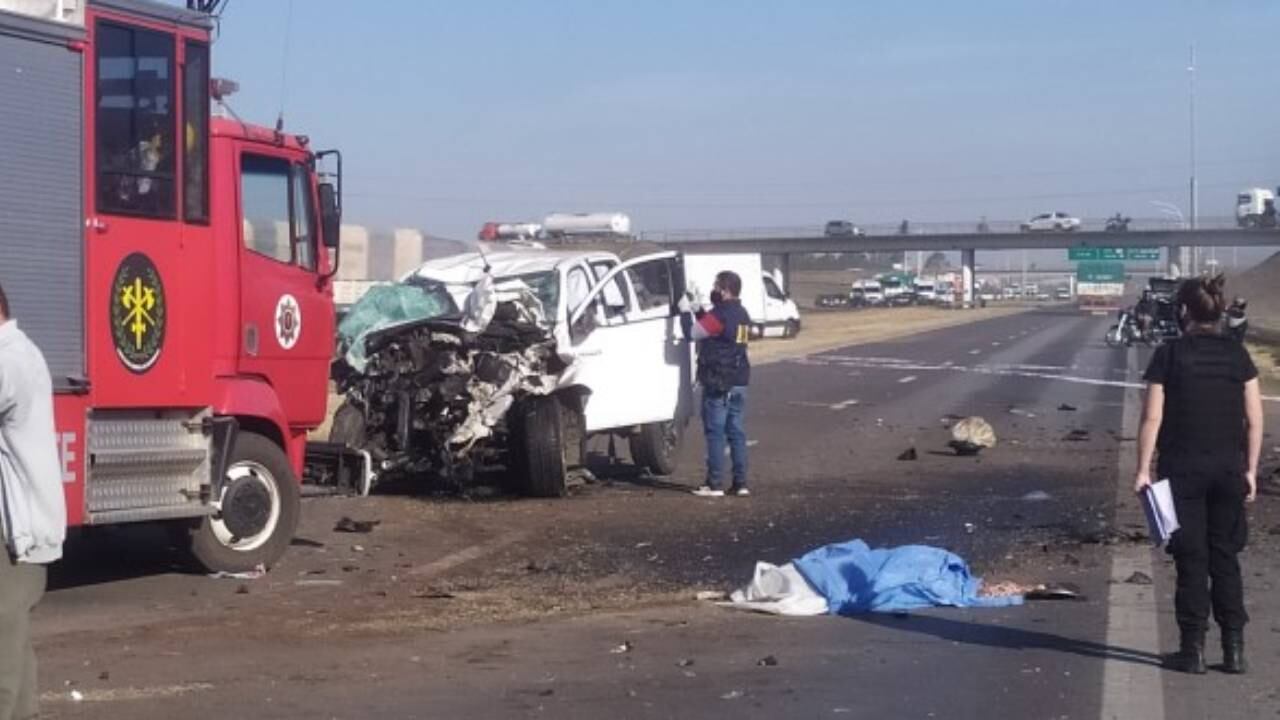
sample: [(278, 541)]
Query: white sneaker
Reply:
[(740, 492), (706, 491)]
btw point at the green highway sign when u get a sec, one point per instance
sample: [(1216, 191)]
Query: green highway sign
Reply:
[(1100, 272), (1105, 253)]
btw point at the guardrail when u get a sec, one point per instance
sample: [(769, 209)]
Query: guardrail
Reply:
[(993, 227)]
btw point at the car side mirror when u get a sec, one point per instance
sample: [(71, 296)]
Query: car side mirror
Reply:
[(330, 215)]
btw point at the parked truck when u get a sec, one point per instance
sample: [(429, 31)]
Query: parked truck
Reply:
[(773, 312), (173, 267)]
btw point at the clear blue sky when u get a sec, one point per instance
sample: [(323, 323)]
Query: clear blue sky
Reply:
[(721, 113)]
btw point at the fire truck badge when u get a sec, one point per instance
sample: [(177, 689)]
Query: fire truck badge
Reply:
[(138, 312), (288, 321)]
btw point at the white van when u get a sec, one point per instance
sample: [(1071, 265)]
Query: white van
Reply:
[(866, 293), (773, 312)]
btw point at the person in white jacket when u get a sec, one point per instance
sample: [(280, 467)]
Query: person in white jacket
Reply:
[(33, 513)]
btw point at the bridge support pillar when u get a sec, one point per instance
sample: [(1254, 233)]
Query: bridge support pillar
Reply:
[(968, 277), (784, 263)]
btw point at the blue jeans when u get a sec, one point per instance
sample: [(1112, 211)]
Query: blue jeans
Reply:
[(722, 419)]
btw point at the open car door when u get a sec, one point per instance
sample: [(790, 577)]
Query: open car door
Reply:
[(629, 349)]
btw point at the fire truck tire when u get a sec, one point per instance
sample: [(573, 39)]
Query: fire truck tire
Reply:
[(348, 426), (259, 513), (539, 459), (656, 447)]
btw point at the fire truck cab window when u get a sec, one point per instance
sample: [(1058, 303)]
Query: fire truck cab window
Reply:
[(195, 132), (135, 121), (264, 206)]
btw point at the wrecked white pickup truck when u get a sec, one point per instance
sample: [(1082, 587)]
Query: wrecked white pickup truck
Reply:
[(514, 358)]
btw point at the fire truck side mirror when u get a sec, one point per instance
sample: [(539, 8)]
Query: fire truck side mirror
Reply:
[(330, 215)]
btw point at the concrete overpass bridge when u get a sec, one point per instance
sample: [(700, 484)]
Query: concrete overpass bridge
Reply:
[(1001, 236)]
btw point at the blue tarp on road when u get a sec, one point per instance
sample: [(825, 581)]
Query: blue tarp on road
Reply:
[(856, 579)]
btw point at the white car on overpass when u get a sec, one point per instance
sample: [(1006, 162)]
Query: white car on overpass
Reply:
[(1052, 222)]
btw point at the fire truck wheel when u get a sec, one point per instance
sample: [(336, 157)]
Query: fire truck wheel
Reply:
[(258, 513)]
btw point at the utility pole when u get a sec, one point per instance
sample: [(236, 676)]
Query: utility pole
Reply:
[(1195, 207)]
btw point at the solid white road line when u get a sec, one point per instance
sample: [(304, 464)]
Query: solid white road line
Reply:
[(1131, 690)]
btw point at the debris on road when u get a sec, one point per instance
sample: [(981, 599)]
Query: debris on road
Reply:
[(1055, 591), (1139, 578), (1037, 496), (1077, 436), (971, 435), (767, 661), (362, 527), (253, 574), (1064, 407), (732, 695), (1021, 413), (710, 595), (318, 583), (622, 649), (684, 662), (909, 454)]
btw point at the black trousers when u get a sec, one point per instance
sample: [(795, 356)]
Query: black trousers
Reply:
[(1213, 531)]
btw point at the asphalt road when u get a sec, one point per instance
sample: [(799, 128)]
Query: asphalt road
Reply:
[(514, 608)]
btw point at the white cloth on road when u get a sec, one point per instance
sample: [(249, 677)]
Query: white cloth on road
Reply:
[(778, 591)]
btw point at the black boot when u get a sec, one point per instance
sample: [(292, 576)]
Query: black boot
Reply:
[(1190, 655), (1233, 661)]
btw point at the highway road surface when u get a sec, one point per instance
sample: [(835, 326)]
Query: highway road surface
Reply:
[(495, 607)]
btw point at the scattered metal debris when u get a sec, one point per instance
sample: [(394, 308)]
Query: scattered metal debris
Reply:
[(1037, 496), (909, 454), (622, 649), (1077, 436), (1139, 578), (767, 661), (347, 525), (1064, 407)]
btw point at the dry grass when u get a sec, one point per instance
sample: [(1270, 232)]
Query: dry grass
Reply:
[(824, 331)]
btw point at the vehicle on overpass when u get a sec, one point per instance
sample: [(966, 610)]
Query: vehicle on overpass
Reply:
[(513, 358), (173, 266), (1052, 222), (1252, 208), (842, 228)]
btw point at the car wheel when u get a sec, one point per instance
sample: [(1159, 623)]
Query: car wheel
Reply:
[(656, 447), (257, 512), (538, 448)]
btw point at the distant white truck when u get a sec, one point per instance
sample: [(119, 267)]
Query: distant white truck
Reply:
[(773, 313), (1251, 207), (926, 290), (866, 293)]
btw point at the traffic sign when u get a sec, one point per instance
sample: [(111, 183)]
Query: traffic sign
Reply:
[(1107, 253), (1100, 272)]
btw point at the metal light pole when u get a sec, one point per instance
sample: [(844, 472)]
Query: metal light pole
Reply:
[(1195, 206)]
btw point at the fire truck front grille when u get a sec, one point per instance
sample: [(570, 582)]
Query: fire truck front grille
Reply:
[(146, 465)]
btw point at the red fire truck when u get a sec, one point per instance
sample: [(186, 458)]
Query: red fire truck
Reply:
[(174, 268)]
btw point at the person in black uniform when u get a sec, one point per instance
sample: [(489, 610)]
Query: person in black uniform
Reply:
[(724, 373), (1203, 413)]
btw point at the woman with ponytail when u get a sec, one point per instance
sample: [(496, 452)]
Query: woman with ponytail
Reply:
[(1203, 413)]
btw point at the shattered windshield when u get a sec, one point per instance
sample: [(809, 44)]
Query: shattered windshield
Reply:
[(546, 285), (384, 306)]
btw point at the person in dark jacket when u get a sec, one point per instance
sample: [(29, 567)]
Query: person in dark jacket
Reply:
[(724, 373), (1203, 413)]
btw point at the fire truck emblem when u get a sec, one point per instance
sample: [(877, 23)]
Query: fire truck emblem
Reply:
[(288, 321), (138, 312)]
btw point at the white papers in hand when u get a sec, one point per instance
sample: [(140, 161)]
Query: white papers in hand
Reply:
[(1162, 518)]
